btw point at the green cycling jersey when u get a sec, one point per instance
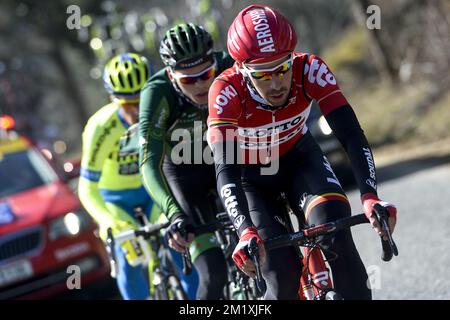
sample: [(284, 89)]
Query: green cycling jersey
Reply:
[(165, 114)]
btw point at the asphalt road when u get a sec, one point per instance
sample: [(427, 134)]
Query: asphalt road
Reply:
[(420, 189)]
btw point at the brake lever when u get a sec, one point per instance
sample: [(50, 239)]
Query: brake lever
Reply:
[(390, 239), (389, 246), (253, 252)]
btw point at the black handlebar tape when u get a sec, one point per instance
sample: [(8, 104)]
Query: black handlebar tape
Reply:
[(386, 255)]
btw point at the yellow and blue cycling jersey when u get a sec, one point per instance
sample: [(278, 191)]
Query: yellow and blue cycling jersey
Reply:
[(107, 175)]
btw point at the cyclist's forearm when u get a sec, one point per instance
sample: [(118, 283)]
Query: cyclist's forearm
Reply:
[(348, 131), (154, 180), (230, 188), (154, 113), (92, 201)]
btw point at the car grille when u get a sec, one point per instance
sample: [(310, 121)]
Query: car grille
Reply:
[(20, 243)]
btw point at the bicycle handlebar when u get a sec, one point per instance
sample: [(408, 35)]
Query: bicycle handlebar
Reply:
[(150, 230), (145, 232), (302, 237)]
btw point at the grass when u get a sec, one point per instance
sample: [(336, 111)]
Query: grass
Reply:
[(388, 114), (435, 124), (385, 111), (352, 48)]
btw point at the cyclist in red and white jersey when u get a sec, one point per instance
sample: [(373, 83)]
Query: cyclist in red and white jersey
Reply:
[(260, 106)]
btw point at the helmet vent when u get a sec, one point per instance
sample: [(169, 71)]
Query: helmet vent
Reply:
[(184, 36), (179, 49), (145, 73), (130, 80), (111, 80), (138, 77), (120, 79)]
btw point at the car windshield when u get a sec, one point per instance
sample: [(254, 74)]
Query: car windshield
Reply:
[(24, 170)]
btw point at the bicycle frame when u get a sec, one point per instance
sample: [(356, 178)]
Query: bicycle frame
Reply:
[(315, 277)]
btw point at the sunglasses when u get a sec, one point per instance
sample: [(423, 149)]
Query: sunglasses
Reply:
[(204, 75), (267, 74)]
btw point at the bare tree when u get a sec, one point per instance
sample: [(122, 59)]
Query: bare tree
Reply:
[(379, 46)]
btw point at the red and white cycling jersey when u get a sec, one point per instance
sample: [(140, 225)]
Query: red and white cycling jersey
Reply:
[(265, 134)]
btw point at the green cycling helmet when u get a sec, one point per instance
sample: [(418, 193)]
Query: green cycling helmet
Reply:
[(186, 45), (125, 75)]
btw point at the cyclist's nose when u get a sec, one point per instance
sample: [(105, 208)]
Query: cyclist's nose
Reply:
[(276, 82), (201, 83)]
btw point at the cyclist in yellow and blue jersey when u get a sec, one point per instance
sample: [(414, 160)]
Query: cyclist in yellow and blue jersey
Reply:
[(110, 186)]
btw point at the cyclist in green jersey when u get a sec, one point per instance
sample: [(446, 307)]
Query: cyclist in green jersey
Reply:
[(173, 104), (110, 186)]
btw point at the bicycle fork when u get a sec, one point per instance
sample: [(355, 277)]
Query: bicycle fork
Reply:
[(315, 279)]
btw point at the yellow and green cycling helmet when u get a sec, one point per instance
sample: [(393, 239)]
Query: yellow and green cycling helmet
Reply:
[(125, 75)]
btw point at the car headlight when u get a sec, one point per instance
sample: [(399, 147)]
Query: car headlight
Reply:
[(324, 127), (71, 224)]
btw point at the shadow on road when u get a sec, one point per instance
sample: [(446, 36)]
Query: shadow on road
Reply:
[(406, 167)]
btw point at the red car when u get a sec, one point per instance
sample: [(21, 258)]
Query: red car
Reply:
[(43, 228)]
